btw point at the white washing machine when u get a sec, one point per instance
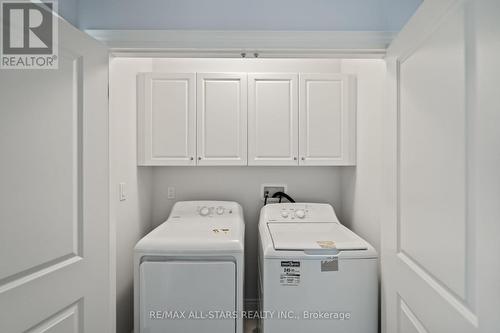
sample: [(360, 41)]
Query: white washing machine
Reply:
[(315, 274), (188, 272)]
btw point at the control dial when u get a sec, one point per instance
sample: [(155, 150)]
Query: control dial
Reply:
[(300, 213), (219, 210), (204, 211), (284, 214)]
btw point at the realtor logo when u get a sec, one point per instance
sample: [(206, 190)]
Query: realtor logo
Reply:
[(29, 33)]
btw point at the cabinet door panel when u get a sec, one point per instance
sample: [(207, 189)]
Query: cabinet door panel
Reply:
[(222, 119), (167, 119), (273, 119), (327, 119)]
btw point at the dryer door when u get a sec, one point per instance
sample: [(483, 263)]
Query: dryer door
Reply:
[(180, 296)]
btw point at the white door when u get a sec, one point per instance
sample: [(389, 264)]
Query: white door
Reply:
[(273, 119), (327, 119), (222, 119), (440, 229), (54, 223), (166, 119)]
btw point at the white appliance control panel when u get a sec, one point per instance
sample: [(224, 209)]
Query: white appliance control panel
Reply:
[(196, 210), (214, 210), (299, 212)]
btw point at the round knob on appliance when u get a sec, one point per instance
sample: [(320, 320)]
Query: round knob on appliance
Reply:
[(204, 211), (300, 213), (220, 210), (284, 214)]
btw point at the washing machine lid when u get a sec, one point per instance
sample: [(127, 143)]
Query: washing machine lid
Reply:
[(311, 236)]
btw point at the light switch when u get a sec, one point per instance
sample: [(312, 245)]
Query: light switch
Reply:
[(171, 192), (122, 192)]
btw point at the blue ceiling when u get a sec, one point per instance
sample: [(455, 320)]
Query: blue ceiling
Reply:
[(354, 15)]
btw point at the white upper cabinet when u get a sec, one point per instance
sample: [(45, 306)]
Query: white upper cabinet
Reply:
[(327, 119), (166, 119), (273, 119), (202, 119), (222, 119)]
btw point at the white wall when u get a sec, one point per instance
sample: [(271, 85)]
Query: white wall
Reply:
[(361, 184), (132, 217), (378, 15)]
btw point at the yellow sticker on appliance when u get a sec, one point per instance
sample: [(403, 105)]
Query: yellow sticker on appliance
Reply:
[(326, 244), (221, 231)]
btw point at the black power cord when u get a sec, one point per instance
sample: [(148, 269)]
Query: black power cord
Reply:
[(279, 194), (282, 195)]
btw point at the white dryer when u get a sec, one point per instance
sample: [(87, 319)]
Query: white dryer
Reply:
[(188, 272), (315, 274)]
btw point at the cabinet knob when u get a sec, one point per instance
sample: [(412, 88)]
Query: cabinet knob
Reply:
[(295, 158), (303, 158), (199, 158), (191, 158)]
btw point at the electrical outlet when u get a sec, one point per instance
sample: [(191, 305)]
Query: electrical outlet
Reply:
[(171, 193), (270, 189)]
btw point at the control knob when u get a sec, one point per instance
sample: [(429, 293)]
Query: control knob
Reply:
[(219, 210), (204, 211), (300, 213)]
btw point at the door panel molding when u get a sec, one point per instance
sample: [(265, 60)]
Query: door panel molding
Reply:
[(411, 319), (67, 318), (421, 208), (444, 40), (437, 286), (67, 254), (26, 276)]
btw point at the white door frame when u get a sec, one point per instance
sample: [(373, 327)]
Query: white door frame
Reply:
[(232, 44)]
